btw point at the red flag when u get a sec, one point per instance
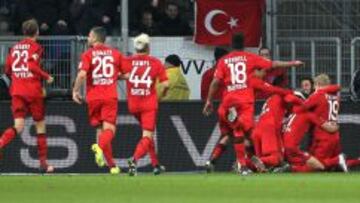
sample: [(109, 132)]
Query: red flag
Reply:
[(218, 20)]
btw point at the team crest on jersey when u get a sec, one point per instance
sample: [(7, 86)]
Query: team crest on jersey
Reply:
[(35, 57)]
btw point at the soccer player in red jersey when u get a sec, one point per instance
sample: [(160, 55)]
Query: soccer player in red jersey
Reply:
[(298, 124), (24, 69), (143, 71), (325, 103), (237, 107), (100, 66)]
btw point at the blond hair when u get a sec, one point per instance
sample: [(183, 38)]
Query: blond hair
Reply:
[(322, 80)]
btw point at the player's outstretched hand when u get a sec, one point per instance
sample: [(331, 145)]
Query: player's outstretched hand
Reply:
[(208, 108), (77, 97), (298, 63), (50, 80)]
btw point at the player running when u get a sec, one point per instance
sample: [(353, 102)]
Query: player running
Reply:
[(24, 69), (143, 71), (237, 108), (100, 66)]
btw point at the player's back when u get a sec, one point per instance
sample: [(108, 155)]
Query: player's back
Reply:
[(327, 108), (234, 70), (24, 82), (102, 64), (295, 128), (144, 71), (274, 110)]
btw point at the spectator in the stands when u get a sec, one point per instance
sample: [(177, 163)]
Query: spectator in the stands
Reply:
[(147, 25), (178, 87), (208, 76), (5, 17), (172, 24), (136, 9), (52, 15), (89, 13)]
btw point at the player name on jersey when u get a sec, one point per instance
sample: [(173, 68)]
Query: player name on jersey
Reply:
[(22, 46), (236, 59), (107, 52), (140, 63)]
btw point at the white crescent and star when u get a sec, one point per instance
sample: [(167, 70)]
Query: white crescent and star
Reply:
[(233, 22)]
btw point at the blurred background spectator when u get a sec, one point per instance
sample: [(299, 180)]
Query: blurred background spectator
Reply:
[(172, 24), (89, 13), (76, 17), (208, 76), (178, 87), (147, 25), (6, 11), (52, 15)]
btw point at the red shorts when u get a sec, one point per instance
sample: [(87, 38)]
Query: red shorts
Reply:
[(266, 139), (326, 146), (102, 110), (241, 124), (147, 119), (20, 106)]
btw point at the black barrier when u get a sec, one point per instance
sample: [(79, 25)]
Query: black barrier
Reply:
[(184, 138)]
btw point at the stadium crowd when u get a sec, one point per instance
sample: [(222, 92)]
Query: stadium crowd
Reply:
[(76, 17)]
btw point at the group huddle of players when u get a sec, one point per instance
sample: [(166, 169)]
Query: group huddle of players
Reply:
[(264, 146), (273, 143)]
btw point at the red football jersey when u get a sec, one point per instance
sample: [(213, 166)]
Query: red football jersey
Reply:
[(102, 65), (206, 80), (297, 125), (144, 71), (23, 66), (324, 104), (273, 111), (234, 70)]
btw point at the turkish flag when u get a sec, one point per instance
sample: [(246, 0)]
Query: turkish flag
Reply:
[(218, 20)]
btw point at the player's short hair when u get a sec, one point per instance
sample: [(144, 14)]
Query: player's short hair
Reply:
[(141, 43), (100, 33), (219, 52), (238, 41), (30, 28), (322, 79)]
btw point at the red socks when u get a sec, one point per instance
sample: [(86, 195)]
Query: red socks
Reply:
[(331, 162), (240, 153), (142, 148), (105, 139), (353, 162), (218, 151), (153, 156), (42, 149), (8, 135)]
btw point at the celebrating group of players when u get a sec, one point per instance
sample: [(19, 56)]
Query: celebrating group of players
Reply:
[(274, 142), (261, 147)]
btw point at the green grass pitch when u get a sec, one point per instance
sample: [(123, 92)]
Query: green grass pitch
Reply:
[(181, 188)]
